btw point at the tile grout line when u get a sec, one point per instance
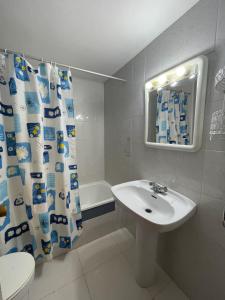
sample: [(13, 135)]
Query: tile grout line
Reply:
[(68, 282), (85, 273), (89, 291), (50, 293), (63, 286), (103, 262), (122, 252)]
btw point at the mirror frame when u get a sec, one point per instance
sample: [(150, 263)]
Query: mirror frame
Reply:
[(202, 63)]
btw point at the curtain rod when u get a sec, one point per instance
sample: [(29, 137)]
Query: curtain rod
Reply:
[(62, 65)]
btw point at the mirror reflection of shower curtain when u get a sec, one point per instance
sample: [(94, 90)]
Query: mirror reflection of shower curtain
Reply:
[(38, 169), (172, 117)]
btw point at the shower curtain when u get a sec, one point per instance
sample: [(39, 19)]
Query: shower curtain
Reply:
[(172, 117), (38, 170)]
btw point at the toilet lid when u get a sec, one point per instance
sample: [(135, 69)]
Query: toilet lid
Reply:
[(16, 270)]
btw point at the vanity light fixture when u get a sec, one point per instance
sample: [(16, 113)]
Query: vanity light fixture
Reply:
[(192, 76), (173, 84), (173, 76), (148, 85), (162, 79), (181, 71)]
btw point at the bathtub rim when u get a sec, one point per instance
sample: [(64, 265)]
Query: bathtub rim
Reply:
[(93, 205)]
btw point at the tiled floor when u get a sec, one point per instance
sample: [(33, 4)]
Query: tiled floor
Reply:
[(100, 270)]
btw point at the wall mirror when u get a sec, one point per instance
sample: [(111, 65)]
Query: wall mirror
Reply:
[(174, 106)]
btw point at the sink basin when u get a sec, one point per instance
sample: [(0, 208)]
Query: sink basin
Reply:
[(164, 211), (155, 213)]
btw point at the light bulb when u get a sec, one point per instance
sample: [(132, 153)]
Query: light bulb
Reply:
[(162, 79), (192, 76), (148, 85), (174, 84), (180, 71)]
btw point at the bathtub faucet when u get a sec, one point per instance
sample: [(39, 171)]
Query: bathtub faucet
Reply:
[(158, 188)]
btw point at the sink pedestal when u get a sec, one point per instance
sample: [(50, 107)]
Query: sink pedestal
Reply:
[(155, 212), (145, 256)]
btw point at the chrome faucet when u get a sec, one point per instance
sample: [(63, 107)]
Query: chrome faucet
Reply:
[(158, 188)]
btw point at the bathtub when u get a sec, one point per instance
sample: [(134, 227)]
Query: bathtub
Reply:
[(96, 199)]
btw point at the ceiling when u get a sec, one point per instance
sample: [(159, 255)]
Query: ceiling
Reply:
[(101, 35)]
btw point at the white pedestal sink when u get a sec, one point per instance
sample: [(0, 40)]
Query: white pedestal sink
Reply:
[(155, 213)]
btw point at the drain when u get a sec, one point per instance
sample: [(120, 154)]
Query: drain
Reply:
[(148, 210)]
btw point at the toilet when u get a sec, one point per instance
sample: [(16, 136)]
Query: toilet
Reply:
[(16, 275)]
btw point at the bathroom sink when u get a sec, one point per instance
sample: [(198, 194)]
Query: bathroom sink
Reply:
[(164, 211), (155, 213)]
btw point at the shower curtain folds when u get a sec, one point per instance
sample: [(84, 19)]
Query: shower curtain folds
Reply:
[(38, 169)]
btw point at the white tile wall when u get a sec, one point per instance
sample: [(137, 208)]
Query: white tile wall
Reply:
[(194, 255), (89, 96)]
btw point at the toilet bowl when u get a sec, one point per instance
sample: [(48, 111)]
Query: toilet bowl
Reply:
[(16, 275)]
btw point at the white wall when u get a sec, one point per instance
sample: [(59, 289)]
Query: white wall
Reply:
[(89, 106), (194, 254)]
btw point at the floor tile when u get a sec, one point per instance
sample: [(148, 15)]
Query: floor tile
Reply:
[(129, 255), (100, 270), (114, 281), (75, 290), (124, 239), (51, 275), (126, 243), (97, 252), (161, 282), (172, 292)]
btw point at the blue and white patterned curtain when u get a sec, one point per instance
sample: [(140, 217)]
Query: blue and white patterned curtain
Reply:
[(172, 117), (38, 170)]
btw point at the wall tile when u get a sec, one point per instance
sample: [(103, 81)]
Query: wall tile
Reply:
[(200, 270), (194, 255), (221, 21), (188, 192), (210, 216), (215, 98), (212, 142), (144, 162), (139, 67), (189, 170), (89, 97), (138, 126), (214, 174), (190, 35)]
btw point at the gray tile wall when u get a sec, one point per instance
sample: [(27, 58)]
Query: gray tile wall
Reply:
[(193, 255)]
